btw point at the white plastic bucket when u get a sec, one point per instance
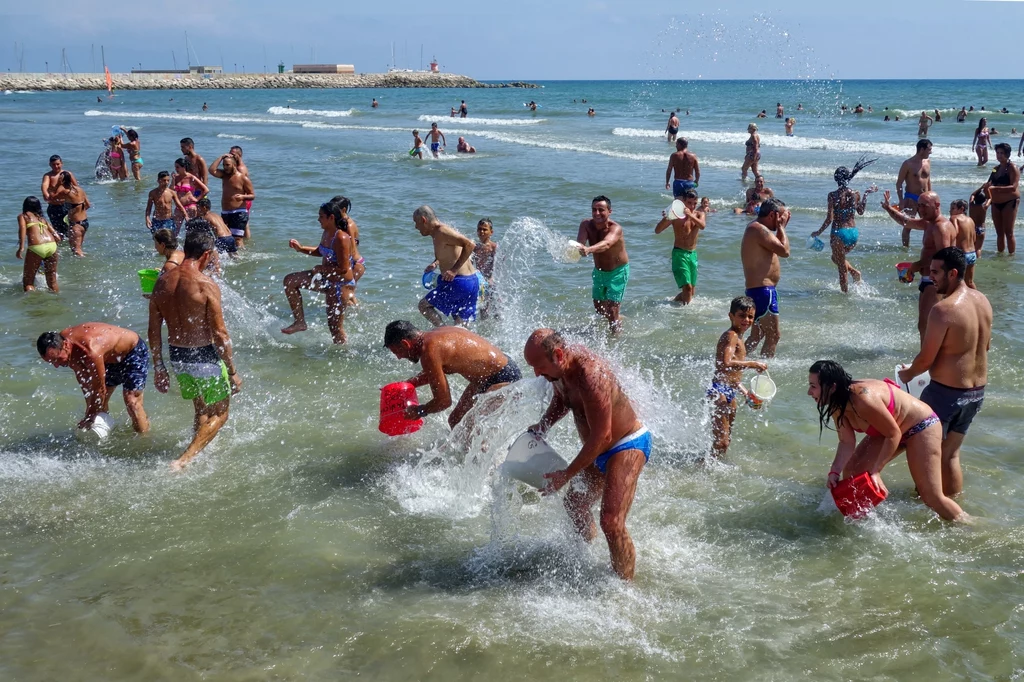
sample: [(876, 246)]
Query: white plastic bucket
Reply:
[(101, 428), (571, 252), (529, 458), (916, 385), (762, 389), (676, 210)]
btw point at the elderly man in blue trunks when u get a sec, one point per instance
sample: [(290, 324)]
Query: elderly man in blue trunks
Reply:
[(616, 445), (764, 242), (458, 286)]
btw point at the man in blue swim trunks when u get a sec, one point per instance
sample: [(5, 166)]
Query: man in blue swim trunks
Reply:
[(437, 141), (102, 357), (686, 168), (616, 445), (764, 242), (458, 286), (916, 175)]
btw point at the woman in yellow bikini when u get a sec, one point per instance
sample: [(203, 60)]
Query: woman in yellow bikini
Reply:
[(42, 245)]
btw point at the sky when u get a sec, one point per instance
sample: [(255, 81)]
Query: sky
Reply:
[(527, 40)]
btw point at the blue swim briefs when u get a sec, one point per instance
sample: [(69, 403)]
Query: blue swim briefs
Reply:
[(638, 440)]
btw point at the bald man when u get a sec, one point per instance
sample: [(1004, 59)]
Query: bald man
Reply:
[(616, 445)]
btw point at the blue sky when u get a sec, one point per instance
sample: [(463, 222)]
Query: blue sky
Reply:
[(532, 39)]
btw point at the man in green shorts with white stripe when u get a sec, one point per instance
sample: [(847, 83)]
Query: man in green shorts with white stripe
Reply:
[(611, 264), (687, 228)]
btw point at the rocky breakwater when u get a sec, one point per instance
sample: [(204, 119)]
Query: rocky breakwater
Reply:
[(259, 81)]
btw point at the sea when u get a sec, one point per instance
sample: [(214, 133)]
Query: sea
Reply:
[(305, 544)]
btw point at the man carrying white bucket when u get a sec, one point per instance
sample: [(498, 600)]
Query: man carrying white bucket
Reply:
[(616, 445)]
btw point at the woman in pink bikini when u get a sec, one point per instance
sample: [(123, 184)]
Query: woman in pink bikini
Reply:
[(891, 421), (189, 189), (981, 142)]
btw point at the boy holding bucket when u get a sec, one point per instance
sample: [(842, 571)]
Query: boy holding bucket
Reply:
[(730, 361)]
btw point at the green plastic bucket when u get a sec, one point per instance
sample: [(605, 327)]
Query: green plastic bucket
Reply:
[(147, 279)]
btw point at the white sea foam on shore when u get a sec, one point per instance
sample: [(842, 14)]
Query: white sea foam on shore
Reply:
[(482, 121), (327, 113)]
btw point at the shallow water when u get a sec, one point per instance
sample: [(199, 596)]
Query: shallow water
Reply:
[(304, 544)]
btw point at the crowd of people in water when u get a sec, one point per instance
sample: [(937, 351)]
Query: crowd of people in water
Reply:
[(954, 318)]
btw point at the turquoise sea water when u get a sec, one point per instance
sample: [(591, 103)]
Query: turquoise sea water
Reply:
[(305, 545)]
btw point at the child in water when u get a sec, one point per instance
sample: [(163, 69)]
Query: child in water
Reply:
[(483, 259), (705, 206), (730, 361)]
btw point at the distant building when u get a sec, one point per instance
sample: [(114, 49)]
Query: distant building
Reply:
[(324, 68), (197, 70)]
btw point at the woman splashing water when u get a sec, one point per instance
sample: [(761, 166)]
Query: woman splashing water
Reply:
[(842, 204), (892, 420)]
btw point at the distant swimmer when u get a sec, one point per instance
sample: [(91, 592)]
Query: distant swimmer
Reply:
[(938, 116), (616, 444), (374, 104), (197, 163), (450, 350), (966, 238), (789, 123), (978, 208), (437, 141), (102, 357), (464, 147), (532, 106), (923, 123), (1003, 188), (672, 129), (418, 150), (77, 205), (753, 152), (763, 114), (844, 205), (591, 112), (799, 107), (686, 229), (727, 383), (916, 176), (954, 352), (685, 166), (56, 211), (890, 420), (457, 287), (333, 277), (938, 234), (981, 141), (161, 205), (205, 107), (764, 242), (198, 342), (961, 115), (754, 196), (42, 242), (452, 114), (463, 110), (859, 109), (236, 193), (611, 263), (779, 110)]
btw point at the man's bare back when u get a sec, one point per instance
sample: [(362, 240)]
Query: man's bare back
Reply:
[(186, 299), (962, 360)]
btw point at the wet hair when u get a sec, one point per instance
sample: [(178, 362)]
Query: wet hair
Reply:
[(204, 203), (601, 197), (741, 303), (415, 132), (959, 203), (343, 202), (835, 384), (485, 221), (65, 179), (844, 175), (923, 143), (162, 174), (132, 135), (233, 148), (753, 125), (689, 194), (198, 238), (769, 206), (953, 258), (48, 341), (55, 157), (399, 330), (552, 341), (426, 213), (981, 124), (166, 238), (32, 205), (333, 208), (188, 141), (184, 163), (682, 143), (1005, 148)]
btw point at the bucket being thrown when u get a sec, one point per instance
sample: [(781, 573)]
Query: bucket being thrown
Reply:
[(815, 243), (858, 495), (762, 390), (394, 398), (147, 279), (905, 273), (529, 458)]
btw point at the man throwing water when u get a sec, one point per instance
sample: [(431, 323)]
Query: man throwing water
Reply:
[(616, 445), (611, 263)]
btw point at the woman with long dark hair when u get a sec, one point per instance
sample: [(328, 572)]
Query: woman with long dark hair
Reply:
[(981, 141), (1003, 188), (892, 420), (842, 206), (77, 206), (42, 245)]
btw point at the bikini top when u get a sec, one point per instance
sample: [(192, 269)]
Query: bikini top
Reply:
[(750, 143), (327, 252), (871, 430), (38, 225), (1001, 178), (983, 135), (182, 189)]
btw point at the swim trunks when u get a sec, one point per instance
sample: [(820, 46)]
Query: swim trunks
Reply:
[(847, 235), (638, 440), (673, 130), (724, 390), (226, 244), (506, 375), (610, 286), (236, 221), (201, 373), (979, 230), (956, 407), (162, 224), (925, 283), (684, 267), (456, 298), (766, 300), (680, 186), (912, 197), (132, 371), (435, 146), (57, 213), (971, 257)]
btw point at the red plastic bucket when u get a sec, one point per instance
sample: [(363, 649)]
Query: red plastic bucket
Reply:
[(394, 398), (856, 496), (904, 273)]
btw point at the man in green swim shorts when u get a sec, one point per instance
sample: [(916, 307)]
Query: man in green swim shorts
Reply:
[(200, 348), (611, 263), (687, 228)]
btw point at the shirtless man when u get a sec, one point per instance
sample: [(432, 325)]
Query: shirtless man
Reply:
[(161, 203), (684, 251), (672, 129), (464, 147), (223, 241), (199, 345), (764, 242), (236, 191), (966, 234), (616, 445), (188, 150), (458, 287), (923, 123), (435, 134), (686, 168), (916, 174), (938, 234), (611, 263), (780, 112), (102, 357), (755, 195), (954, 351), (450, 350), (56, 211)]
